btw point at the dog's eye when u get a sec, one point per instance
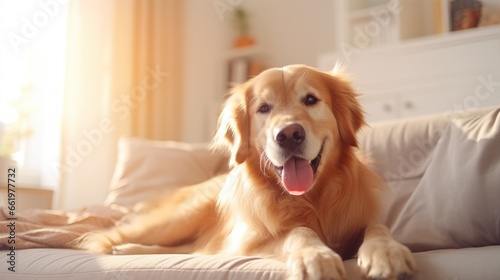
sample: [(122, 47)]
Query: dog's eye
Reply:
[(310, 100), (264, 108)]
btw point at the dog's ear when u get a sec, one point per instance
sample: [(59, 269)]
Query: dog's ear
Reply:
[(345, 107), (234, 130)]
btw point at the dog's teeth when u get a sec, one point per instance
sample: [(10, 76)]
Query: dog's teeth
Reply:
[(279, 170)]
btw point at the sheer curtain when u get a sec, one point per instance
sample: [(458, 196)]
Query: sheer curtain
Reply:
[(122, 78)]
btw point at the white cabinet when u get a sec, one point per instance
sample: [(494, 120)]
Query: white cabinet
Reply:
[(453, 72), (482, 92), (380, 110), (404, 106)]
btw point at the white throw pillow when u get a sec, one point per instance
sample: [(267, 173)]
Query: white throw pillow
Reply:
[(146, 168), (456, 204)]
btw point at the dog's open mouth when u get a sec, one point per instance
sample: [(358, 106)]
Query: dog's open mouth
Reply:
[(297, 174)]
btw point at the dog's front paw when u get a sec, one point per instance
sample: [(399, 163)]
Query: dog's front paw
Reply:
[(95, 242), (315, 264), (385, 258)]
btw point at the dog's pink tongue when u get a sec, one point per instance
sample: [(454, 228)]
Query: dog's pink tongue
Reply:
[(297, 176)]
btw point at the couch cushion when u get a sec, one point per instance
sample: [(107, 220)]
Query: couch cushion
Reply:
[(470, 263), (145, 168), (455, 204)]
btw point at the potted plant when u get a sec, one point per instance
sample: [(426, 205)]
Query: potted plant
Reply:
[(14, 129), (244, 38)]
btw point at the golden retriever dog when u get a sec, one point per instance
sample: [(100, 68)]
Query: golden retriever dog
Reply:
[(298, 189)]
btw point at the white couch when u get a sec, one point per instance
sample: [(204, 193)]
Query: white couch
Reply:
[(443, 175)]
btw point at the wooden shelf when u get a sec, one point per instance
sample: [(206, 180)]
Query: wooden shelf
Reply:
[(241, 52), (409, 19)]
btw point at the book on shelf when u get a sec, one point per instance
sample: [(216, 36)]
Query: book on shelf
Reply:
[(238, 70)]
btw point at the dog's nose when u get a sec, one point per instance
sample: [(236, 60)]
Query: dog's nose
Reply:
[(290, 136)]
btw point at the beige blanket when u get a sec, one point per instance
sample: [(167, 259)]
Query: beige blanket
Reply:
[(38, 228)]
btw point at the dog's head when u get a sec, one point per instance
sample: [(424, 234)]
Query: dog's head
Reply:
[(286, 121)]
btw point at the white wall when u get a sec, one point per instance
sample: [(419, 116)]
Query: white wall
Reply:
[(203, 41), (288, 31), (293, 31)]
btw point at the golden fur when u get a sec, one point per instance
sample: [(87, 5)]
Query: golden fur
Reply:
[(249, 211)]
